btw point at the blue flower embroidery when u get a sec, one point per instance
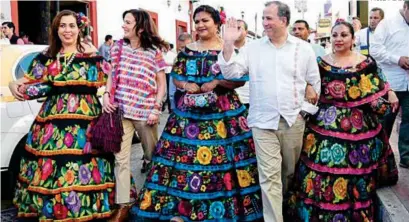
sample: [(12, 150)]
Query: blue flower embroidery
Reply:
[(217, 210), (191, 67), (92, 74)]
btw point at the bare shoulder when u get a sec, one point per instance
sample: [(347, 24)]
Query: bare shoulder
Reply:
[(89, 49), (326, 58), (192, 46), (361, 58)]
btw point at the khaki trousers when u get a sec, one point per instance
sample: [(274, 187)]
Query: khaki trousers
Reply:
[(149, 138), (277, 153)]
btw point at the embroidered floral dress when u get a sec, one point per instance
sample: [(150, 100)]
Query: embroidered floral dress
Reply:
[(204, 166), (61, 177), (346, 155)]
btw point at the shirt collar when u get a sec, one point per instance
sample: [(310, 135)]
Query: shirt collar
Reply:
[(290, 39)]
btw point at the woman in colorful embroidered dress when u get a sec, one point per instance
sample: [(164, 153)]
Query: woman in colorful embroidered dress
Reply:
[(346, 155), (61, 177), (139, 91), (204, 166)]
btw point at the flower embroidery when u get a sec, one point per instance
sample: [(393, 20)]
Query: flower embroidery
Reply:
[(336, 89), (215, 68), (38, 70), (330, 115), (244, 178), (47, 169), (204, 155), (192, 130), (354, 92), (356, 119), (243, 123), (85, 174), (340, 188), (73, 202), (309, 142), (325, 155), (354, 157), (338, 153), (221, 129), (365, 84), (49, 130), (364, 154), (345, 124), (185, 208), (217, 210), (69, 177), (72, 103), (191, 67), (68, 140)]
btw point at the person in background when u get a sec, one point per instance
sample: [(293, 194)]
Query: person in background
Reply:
[(280, 66), (140, 89), (390, 48), (365, 35), (346, 155), (169, 57), (183, 40), (356, 23), (9, 30), (105, 48), (301, 29), (26, 38), (238, 44)]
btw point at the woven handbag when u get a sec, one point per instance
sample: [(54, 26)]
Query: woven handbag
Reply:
[(108, 131)]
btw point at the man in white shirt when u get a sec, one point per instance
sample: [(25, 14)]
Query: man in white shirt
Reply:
[(365, 35), (280, 66), (390, 48), (169, 58), (238, 44), (301, 29)]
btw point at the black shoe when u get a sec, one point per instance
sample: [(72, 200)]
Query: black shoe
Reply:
[(135, 139)]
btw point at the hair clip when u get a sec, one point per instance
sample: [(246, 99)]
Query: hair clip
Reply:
[(82, 20)]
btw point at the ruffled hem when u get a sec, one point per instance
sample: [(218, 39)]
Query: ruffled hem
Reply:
[(341, 206), (78, 82), (79, 219), (58, 152), (65, 116)]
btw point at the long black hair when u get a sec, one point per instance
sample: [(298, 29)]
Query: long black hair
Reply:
[(149, 36)]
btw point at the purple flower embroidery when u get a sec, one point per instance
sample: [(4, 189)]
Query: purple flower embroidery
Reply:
[(339, 218), (215, 68), (321, 115), (38, 70), (85, 174), (192, 130), (330, 115), (364, 154), (354, 157), (73, 202), (195, 182)]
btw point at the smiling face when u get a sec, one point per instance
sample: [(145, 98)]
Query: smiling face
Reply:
[(342, 39), (271, 21), (129, 26), (68, 30), (205, 26)]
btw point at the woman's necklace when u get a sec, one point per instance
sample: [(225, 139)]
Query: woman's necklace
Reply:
[(66, 64), (335, 62), (201, 48)]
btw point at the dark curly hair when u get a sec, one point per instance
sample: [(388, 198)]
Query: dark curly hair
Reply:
[(149, 37), (213, 13), (347, 24)]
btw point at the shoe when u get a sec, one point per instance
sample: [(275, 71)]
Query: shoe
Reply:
[(121, 214)]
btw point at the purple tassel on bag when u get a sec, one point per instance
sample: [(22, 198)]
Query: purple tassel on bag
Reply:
[(108, 131)]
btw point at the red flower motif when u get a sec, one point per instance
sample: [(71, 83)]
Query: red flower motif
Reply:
[(52, 69), (356, 118), (336, 89), (227, 181), (49, 130), (345, 124), (68, 140), (328, 194), (184, 208), (223, 103), (47, 169), (96, 175), (60, 211)]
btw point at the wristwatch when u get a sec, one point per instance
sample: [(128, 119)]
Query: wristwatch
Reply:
[(304, 114)]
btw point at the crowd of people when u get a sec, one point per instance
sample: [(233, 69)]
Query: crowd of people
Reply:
[(274, 129)]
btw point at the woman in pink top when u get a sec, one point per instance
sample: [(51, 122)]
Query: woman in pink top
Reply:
[(140, 88)]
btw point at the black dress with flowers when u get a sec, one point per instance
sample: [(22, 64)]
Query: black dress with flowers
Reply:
[(61, 177), (346, 155), (204, 166)]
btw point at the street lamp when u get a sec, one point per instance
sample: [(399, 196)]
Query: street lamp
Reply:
[(179, 7), (242, 15), (169, 2), (301, 6)]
